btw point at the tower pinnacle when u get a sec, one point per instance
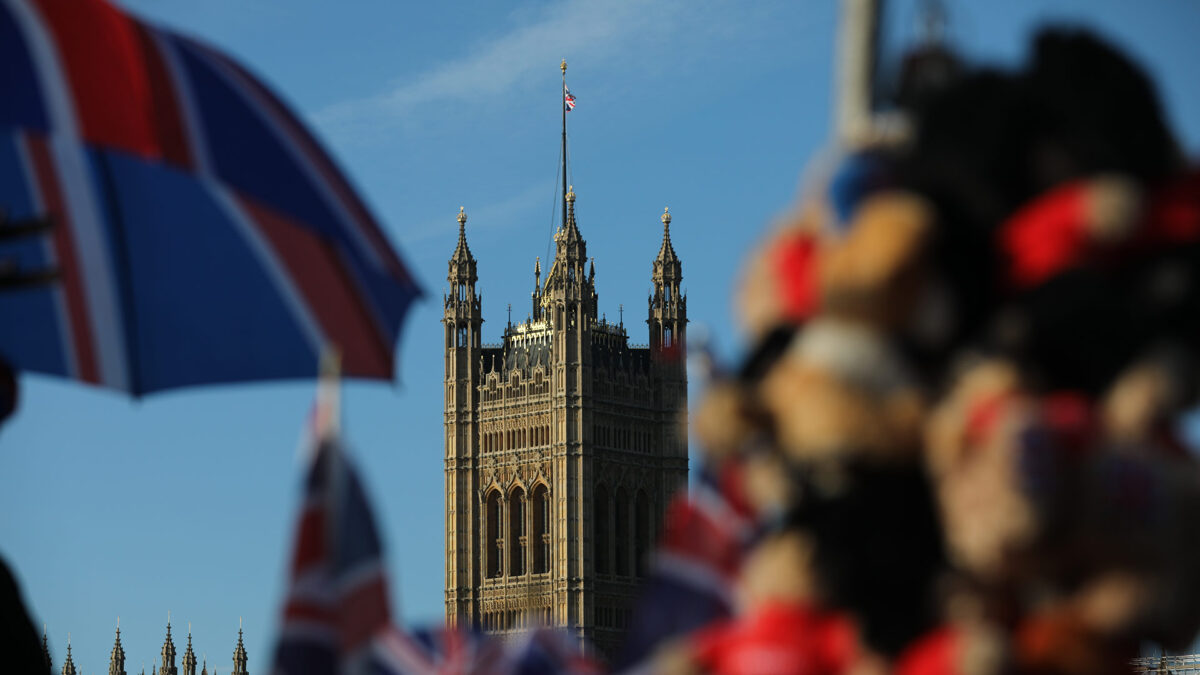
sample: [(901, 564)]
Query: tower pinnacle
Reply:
[(167, 667), (239, 654), (68, 665), (46, 651), (189, 657), (462, 252), (116, 660)]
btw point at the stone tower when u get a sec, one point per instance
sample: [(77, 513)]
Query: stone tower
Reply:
[(116, 660), (564, 443)]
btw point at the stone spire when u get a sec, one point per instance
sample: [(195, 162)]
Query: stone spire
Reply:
[(570, 251), (239, 655), (116, 660), (204, 666), (572, 229), (462, 252), (666, 253), (189, 657), (537, 289), (68, 665), (667, 304), (46, 652), (168, 653)]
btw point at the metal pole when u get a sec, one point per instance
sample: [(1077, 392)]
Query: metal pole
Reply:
[(857, 54), (562, 101)]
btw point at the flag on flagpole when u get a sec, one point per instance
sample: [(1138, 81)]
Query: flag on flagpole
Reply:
[(336, 613), (568, 99)]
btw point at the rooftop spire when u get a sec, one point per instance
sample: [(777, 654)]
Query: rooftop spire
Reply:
[(46, 652), (167, 667), (189, 657), (666, 253), (116, 660), (571, 229), (68, 665), (239, 654), (462, 252)]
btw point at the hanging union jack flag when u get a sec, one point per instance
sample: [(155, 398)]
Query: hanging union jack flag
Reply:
[(197, 231), (568, 99)]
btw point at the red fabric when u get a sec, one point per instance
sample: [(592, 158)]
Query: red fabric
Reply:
[(795, 268), (935, 653), (322, 280), (165, 117), (100, 53), (67, 255), (778, 639), (1069, 415), (695, 534), (1046, 236)]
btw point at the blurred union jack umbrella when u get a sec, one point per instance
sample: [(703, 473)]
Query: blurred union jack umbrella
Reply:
[(186, 227)]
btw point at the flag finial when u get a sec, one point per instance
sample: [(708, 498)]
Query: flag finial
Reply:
[(564, 66), (571, 194)]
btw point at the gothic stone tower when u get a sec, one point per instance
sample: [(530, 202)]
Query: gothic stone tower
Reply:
[(564, 443)]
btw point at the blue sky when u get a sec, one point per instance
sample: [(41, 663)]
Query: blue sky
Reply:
[(185, 501)]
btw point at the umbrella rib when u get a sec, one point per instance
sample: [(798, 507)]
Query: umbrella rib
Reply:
[(124, 274)]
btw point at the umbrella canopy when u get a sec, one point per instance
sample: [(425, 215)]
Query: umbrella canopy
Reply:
[(199, 232)]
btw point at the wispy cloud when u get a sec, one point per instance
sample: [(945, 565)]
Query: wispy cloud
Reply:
[(587, 30), (508, 213)]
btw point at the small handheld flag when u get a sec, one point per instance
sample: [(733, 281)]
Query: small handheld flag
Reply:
[(568, 99)]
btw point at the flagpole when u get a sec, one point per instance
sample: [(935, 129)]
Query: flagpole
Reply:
[(563, 104)]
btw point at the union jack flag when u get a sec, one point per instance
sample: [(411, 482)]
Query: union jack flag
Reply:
[(692, 578), (568, 99), (336, 616)]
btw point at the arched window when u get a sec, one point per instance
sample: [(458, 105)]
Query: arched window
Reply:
[(641, 540), (494, 544), (600, 542), (622, 531), (516, 532), (541, 530)]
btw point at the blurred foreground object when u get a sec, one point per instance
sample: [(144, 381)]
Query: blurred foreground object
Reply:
[(975, 344), (198, 231)]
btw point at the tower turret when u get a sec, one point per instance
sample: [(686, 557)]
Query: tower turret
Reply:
[(463, 324), (668, 346), (239, 655), (116, 660), (167, 667), (189, 657), (667, 304)]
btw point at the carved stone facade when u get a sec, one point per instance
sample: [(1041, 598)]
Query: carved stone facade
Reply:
[(564, 444)]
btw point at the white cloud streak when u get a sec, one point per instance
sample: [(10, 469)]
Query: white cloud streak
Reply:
[(589, 30)]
